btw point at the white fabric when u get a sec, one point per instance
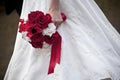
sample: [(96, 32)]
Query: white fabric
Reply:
[(90, 46)]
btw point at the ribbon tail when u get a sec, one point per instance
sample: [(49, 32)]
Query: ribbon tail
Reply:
[(55, 52)]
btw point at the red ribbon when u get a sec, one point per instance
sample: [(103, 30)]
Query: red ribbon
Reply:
[(55, 52), (56, 49)]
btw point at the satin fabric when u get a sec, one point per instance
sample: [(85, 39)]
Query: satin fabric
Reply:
[(90, 46)]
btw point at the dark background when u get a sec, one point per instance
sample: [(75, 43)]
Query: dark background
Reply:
[(8, 28)]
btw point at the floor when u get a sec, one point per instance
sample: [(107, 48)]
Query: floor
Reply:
[(9, 23)]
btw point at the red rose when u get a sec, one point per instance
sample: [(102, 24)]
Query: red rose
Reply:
[(37, 37), (44, 21), (23, 27), (34, 16), (63, 16), (48, 18), (21, 20), (37, 44), (33, 29)]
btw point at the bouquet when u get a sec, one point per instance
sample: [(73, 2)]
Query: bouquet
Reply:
[(38, 29)]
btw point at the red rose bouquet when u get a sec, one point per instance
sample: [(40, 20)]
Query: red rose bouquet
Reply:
[(39, 29)]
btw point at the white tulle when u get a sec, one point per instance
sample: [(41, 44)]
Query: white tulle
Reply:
[(90, 46)]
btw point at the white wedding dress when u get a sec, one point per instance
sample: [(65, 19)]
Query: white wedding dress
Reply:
[(90, 46)]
